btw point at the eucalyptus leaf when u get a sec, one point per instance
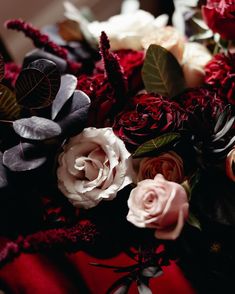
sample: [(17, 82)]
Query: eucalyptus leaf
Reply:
[(152, 272), (23, 157), (9, 109), (36, 128), (123, 289), (41, 54), (3, 173), (121, 284), (74, 120), (162, 73), (155, 144), (194, 221), (67, 88), (2, 68), (144, 289), (37, 85)]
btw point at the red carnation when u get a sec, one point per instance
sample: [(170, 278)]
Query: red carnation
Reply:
[(220, 73), (150, 115), (220, 17)]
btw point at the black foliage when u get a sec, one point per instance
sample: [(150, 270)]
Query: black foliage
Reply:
[(38, 84), (73, 116), (36, 54)]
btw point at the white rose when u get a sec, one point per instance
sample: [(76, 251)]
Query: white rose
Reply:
[(196, 56), (125, 31), (167, 37), (94, 166)]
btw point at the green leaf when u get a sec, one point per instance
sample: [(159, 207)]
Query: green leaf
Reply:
[(162, 73), (9, 109), (1, 68), (194, 221), (156, 143)]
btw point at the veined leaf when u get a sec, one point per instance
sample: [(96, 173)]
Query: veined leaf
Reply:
[(9, 109), (1, 68), (162, 73), (156, 143), (38, 84), (36, 128)]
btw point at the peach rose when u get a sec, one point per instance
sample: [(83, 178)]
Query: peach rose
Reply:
[(159, 204), (169, 164), (94, 166), (196, 56), (230, 165), (167, 37)]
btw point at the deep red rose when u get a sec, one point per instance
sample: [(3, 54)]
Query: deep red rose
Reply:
[(131, 62), (220, 73), (102, 98), (220, 17), (148, 116)]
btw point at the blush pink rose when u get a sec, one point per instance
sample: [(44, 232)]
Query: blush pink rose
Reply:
[(169, 164), (230, 165), (159, 204)]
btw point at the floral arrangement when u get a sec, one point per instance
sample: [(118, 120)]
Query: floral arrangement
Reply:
[(123, 131)]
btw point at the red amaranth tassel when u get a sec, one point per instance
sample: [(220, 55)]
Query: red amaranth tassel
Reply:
[(42, 41), (114, 71)]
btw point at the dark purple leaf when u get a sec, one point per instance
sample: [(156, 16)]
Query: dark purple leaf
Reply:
[(37, 85), (3, 175), (76, 117), (67, 88), (36, 128), (1, 68), (144, 289), (151, 271), (39, 54), (122, 283), (23, 157)]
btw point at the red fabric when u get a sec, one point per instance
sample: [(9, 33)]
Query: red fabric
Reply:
[(73, 273)]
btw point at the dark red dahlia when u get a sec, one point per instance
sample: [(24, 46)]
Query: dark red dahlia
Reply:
[(220, 73), (148, 116)]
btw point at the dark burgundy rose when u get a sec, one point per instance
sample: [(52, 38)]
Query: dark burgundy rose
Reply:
[(102, 98), (220, 73), (132, 62), (148, 116), (200, 97), (220, 17)]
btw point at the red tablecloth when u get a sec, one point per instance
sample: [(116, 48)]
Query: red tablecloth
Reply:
[(73, 273)]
